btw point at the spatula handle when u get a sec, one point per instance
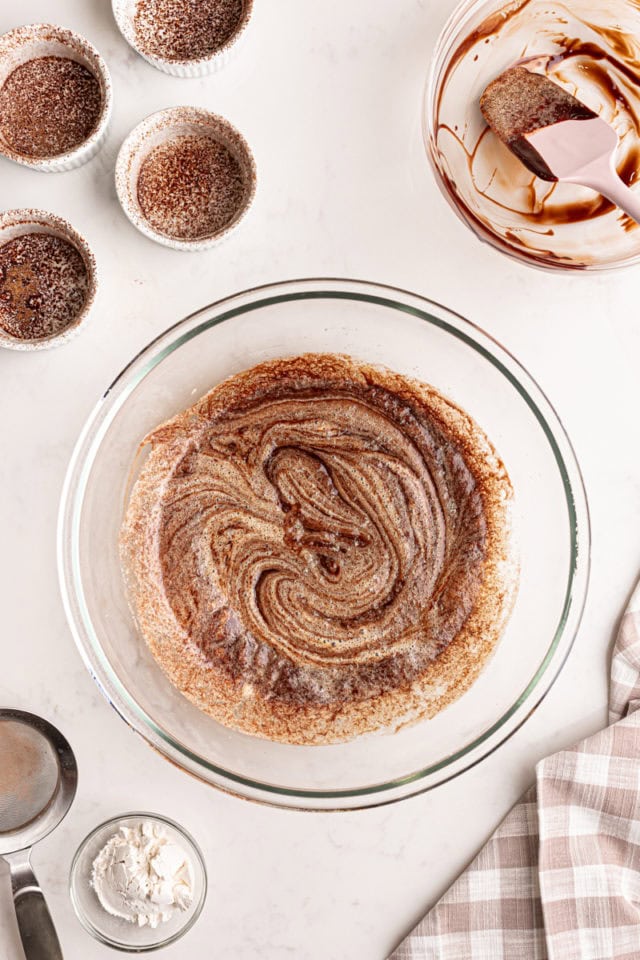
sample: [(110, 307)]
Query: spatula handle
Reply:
[(606, 181), (628, 200), (37, 932)]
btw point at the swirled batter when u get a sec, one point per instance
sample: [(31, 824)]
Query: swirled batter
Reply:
[(319, 548)]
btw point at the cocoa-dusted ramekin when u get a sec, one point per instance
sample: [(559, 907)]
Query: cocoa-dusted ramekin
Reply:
[(16, 223), (47, 40), (124, 12), (166, 125)]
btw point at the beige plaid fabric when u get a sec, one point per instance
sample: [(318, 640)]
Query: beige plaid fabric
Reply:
[(560, 877)]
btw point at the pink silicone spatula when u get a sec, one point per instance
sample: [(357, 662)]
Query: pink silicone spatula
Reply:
[(555, 135)]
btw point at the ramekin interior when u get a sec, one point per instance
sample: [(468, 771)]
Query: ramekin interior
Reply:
[(165, 126), (46, 40), (17, 223), (124, 12)]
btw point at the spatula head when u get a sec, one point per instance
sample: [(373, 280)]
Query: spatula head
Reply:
[(519, 102)]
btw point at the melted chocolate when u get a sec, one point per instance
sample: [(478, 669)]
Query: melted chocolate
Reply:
[(608, 71)]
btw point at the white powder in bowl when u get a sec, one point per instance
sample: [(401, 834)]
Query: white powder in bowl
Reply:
[(142, 875)]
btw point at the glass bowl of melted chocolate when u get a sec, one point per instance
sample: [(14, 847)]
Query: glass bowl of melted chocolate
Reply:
[(591, 49), (324, 544)]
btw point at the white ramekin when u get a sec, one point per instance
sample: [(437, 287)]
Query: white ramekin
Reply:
[(46, 40), (124, 13), (166, 125), (15, 223)]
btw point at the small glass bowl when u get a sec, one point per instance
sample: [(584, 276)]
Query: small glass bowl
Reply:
[(114, 931), (556, 226)]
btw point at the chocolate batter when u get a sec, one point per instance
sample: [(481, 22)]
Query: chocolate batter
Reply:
[(317, 546)]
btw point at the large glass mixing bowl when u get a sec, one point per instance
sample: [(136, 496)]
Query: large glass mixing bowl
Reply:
[(415, 337)]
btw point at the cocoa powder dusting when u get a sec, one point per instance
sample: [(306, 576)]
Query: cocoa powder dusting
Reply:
[(48, 106), (190, 187), (43, 286), (185, 29)]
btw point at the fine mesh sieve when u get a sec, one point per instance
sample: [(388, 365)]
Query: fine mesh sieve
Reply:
[(29, 774), (38, 779)]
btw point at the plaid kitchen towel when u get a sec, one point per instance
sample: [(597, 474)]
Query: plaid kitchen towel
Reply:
[(560, 877)]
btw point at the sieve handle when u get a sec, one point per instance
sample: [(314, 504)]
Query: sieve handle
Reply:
[(37, 932)]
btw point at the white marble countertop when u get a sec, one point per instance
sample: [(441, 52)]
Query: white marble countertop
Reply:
[(328, 94)]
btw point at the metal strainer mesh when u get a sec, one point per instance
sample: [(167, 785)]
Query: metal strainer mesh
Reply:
[(29, 774)]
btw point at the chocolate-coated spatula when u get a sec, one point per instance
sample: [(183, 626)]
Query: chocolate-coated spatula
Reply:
[(555, 135)]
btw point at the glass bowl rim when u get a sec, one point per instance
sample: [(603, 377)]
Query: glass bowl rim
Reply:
[(88, 443), (454, 24), (113, 822)]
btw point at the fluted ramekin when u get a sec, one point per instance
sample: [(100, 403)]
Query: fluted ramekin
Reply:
[(166, 125), (124, 12), (34, 40), (16, 223)]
